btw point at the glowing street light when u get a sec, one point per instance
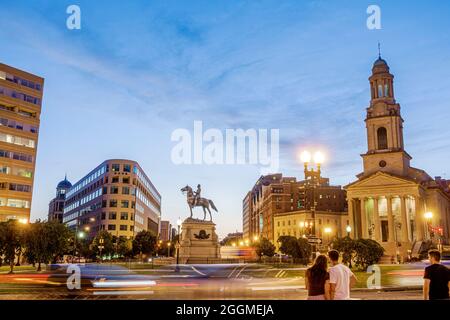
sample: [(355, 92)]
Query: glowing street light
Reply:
[(81, 234), (348, 229), (428, 215), (255, 238), (23, 221), (233, 244), (319, 158), (305, 156)]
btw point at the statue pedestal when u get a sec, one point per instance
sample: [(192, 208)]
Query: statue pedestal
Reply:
[(199, 242)]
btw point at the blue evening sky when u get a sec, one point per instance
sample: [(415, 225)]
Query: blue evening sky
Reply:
[(138, 70)]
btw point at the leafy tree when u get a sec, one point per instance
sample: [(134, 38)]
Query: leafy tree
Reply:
[(144, 243), (58, 239), (108, 244), (37, 244), (367, 252), (10, 241), (125, 247), (346, 246), (299, 249), (265, 248)]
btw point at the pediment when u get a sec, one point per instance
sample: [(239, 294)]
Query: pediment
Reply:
[(380, 179)]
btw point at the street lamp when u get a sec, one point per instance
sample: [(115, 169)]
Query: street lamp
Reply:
[(168, 249), (327, 231), (178, 244), (428, 217), (348, 229), (255, 238), (302, 227)]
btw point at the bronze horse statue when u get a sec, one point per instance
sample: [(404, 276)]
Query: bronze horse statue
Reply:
[(201, 202)]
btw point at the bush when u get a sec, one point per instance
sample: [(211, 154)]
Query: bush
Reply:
[(298, 249)]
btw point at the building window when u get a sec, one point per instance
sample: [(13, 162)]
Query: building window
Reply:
[(123, 227), (123, 216), (386, 90), (115, 180), (125, 204), (115, 167), (125, 180), (113, 203), (112, 216), (382, 138), (103, 215), (126, 168), (111, 227), (114, 190), (125, 190), (380, 91)]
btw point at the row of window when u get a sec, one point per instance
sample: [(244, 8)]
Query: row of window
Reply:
[(18, 125), (14, 203), (115, 190), (25, 142), (143, 179), (20, 96), (113, 203), (19, 111), (122, 227), (115, 167), (15, 187), (84, 200), (21, 172), (113, 216), (147, 202), (23, 82), (80, 185), (16, 156)]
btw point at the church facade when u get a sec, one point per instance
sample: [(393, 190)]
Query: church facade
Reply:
[(389, 200)]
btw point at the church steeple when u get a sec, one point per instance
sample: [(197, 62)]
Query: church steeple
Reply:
[(384, 124)]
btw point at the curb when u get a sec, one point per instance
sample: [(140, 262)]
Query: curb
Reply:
[(389, 289)]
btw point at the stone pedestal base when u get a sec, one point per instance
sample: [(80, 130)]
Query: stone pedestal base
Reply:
[(199, 242)]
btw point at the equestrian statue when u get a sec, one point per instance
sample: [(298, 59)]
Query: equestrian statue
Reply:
[(194, 199)]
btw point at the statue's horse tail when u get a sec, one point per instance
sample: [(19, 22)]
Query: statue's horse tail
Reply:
[(212, 205)]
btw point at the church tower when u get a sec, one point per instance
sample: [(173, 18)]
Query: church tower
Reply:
[(384, 125)]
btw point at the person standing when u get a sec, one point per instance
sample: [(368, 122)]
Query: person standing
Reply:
[(317, 279), (436, 279), (341, 278)]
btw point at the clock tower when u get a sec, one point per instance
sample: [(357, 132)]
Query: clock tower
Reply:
[(385, 147)]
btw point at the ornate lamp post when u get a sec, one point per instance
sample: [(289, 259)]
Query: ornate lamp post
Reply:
[(428, 217), (178, 244)]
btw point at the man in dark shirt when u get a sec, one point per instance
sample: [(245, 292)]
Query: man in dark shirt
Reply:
[(436, 278)]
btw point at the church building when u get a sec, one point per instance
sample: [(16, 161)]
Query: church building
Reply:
[(392, 202)]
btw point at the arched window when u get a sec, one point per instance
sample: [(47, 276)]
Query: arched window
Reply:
[(380, 91), (382, 138), (386, 90)]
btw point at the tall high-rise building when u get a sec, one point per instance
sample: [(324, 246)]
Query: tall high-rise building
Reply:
[(20, 108), (56, 205), (165, 231), (116, 196)]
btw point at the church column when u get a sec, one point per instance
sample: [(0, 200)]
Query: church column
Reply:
[(351, 218), (391, 225), (364, 233), (419, 218), (404, 219), (376, 217)]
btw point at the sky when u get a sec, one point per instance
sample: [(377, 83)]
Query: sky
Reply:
[(137, 71)]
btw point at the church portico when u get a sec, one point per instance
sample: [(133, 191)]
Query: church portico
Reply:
[(389, 200)]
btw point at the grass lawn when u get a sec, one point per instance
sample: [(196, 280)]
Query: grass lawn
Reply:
[(28, 268)]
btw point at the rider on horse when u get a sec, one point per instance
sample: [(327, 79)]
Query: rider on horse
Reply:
[(197, 194)]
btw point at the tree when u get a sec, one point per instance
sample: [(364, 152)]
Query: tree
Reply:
[(37, 244), (10, 241), (367, 252), (298, 249), (144, 243), (125, 247), (108, 244), (346, 246), (265, 248), (58, 239)]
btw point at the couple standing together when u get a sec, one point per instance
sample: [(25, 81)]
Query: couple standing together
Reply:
[(329, 284)]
